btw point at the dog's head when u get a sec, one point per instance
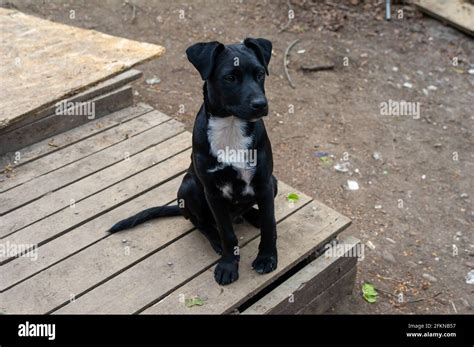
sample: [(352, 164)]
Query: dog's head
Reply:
[(234, 75)]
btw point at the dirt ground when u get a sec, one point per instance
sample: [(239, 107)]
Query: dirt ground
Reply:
[(413, 210)]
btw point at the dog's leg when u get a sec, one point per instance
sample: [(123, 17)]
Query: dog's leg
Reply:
[(267, 258), (227, 270), (195, 208), (211, 234)]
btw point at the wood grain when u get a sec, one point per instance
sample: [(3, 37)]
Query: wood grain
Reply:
[(35, 52)]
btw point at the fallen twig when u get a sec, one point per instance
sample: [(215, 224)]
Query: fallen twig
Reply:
[(422, 299), (287, 25), (314, 68), (340, 6), (454, 306), (134, 13), (285, 61), (385, 292), (134, 10)]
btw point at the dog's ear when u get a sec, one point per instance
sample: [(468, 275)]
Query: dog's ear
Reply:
[(262, 48), (203, 55)]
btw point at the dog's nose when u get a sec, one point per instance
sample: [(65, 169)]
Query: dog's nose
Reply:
[(258, 104)]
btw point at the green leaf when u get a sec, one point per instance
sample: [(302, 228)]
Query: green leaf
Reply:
[(326, 161), (369, 293), (292, 197), (194, 302)]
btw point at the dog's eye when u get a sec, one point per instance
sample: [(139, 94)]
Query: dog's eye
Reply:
[(260, 75), (229, 78)]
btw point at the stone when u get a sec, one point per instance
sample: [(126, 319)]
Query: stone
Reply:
[(430, 278), (389, 257)]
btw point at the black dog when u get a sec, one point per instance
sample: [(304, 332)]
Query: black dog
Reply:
[(231, 163)]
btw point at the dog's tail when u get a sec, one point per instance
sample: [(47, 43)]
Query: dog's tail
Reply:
[(143, 216)]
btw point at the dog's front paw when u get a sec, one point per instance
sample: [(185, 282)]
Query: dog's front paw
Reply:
[(226, 272), (265, 263)]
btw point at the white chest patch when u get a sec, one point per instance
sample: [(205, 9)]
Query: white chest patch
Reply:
[(226, 135), (230, 146)]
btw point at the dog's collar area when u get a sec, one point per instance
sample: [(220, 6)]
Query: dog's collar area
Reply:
[(253, 120)]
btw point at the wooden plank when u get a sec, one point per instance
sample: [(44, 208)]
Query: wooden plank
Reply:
[(102, 88), (300, 289), (89, 208), (66, 175), (57, 123), (457, 13), (339, 290), (70, 137), (103, 260), (83, 149), (166, 276), (36, 52), (79, 190), (68, 279), (298, 236), (83, 236)]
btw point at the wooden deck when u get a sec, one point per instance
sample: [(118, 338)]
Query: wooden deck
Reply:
[(66, 191)]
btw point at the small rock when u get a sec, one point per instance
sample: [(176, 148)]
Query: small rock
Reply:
[(352, 185), (378, 207), (470, 71), (470, 277), (432, 87), (394, 69), (170, 263), (342, 167), (389, 257), (124, 241), (423, 177), (153, 80), (464, 196), (430, 278), (370, 244), (408, 85), (437, 145), (376, 156)]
